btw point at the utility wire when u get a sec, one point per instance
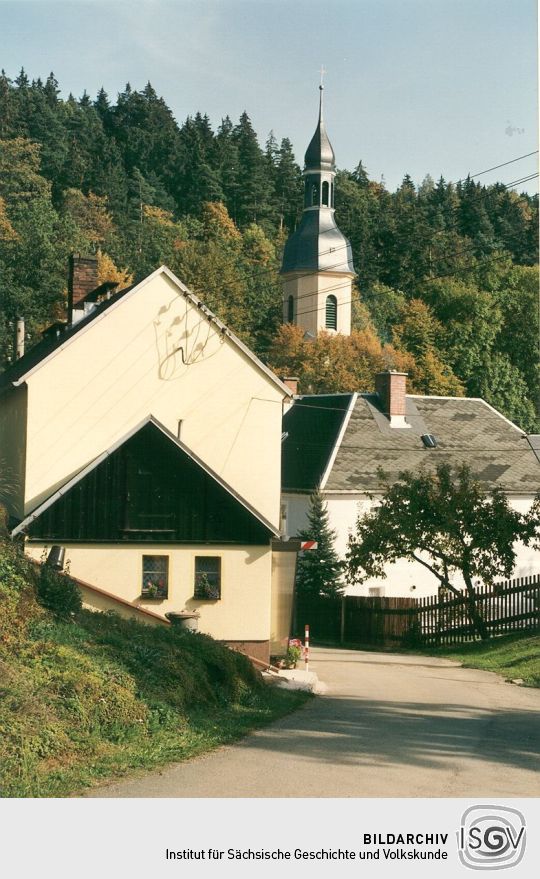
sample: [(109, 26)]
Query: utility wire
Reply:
[(271, 271), (407, 449), (495, 167), (363, 395), (460, 271), (454, 254)]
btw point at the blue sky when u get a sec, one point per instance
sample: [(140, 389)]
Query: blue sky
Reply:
[(419, 86)]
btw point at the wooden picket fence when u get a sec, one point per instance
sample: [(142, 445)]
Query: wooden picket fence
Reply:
[(510, 606), (435, 621)]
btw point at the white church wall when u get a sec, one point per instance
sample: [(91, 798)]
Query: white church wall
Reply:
[(310, 292)]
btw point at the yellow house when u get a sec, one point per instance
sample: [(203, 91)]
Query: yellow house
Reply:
[(145, 438)]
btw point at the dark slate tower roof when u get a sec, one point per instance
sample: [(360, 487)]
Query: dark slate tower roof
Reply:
[(320, 154), (317, 245)]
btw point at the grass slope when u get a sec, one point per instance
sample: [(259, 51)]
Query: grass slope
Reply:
[(97, 696), (513, 656)]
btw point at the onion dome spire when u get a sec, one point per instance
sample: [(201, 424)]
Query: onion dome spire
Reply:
[(317, 245), (319, 154)]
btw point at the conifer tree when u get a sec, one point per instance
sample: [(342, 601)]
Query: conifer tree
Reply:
[(254, 191), (288, 185), (227, 163), (318, 574)]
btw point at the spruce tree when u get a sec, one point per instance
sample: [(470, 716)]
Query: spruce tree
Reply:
[(318, 573), (254, 193), (288, 186)]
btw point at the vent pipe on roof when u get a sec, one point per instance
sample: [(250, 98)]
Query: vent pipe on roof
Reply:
[(19, 338)]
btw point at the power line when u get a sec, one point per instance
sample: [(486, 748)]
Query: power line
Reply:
[(408, 449), (521, 180), (363, 395), (495, 167), (474, 268), (464, 251), (256, 275), (450, 226)]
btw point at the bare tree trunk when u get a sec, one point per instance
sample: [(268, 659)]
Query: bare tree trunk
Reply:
[(473, 613)]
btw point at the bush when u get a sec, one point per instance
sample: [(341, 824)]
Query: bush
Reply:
[(58, 593)]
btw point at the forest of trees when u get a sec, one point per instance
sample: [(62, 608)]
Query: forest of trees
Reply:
[(447, 284)]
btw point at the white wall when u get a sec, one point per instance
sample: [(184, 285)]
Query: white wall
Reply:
[(403, 578)]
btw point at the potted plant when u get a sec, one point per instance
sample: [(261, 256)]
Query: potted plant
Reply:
[(154, 589), (205, 589), (293, 655)]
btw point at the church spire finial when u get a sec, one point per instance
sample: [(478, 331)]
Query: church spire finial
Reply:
[(321, 90)]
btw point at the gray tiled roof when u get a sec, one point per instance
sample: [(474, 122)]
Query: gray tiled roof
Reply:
[(468, 431)]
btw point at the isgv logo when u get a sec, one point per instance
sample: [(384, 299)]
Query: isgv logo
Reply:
[(491, 837)]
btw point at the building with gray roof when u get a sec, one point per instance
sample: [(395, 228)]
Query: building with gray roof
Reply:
[(346, 446)]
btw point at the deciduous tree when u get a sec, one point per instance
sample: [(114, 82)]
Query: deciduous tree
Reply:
[(444, 521)]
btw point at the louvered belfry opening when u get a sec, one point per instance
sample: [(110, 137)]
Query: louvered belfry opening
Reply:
[(290, 309), (331, 313)]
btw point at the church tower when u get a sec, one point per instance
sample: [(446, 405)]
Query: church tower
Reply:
[(317, 268)]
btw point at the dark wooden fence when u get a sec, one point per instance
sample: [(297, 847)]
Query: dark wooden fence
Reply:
[(377, 620), (322, 615), (510, 606)]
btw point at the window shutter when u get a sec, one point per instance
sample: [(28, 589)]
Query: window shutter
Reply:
[(331, 313)]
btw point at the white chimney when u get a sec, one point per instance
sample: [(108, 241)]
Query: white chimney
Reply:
[(19, 338)]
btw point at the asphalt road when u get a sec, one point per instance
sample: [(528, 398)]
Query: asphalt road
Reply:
[(388, 726)]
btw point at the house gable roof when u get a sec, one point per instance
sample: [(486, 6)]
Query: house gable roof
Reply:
[(312, 427), (39, 354), (170, 444), (467, 430)]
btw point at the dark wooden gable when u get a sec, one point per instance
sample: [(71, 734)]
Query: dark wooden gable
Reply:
[(149, 489)]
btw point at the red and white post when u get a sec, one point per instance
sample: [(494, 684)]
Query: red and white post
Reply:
[(306, 648)]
